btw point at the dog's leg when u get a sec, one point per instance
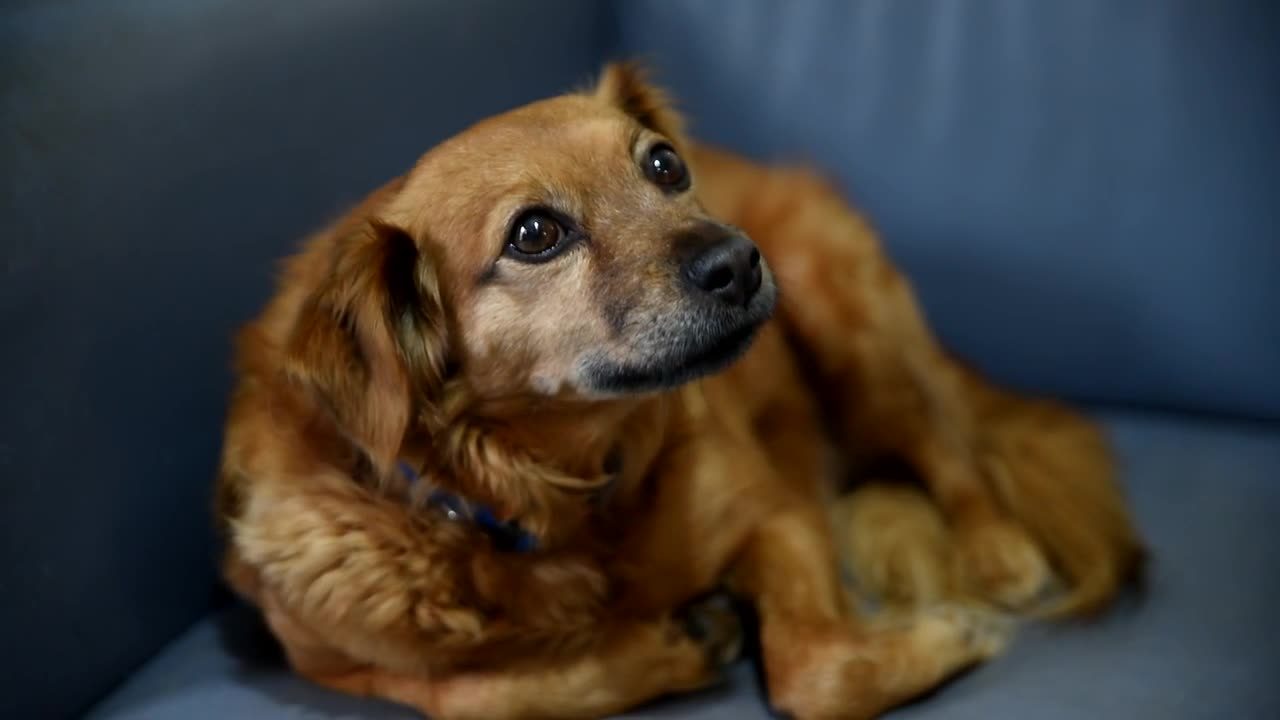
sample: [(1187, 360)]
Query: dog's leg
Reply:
[(1054, 472), (820, 662), (890, 388), (892, 537), (724, 503), (636, 662)]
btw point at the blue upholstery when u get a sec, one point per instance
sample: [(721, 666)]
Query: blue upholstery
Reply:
[(1081, 190), (1201, 644)]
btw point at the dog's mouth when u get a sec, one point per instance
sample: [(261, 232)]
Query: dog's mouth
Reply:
[(689, 351)]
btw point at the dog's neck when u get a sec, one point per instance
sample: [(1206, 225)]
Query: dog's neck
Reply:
[(578, 438), (545, 463)]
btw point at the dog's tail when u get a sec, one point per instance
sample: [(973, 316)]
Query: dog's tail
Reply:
[(1055, 473)]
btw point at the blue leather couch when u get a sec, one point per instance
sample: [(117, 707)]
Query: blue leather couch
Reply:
[(1085, 192)]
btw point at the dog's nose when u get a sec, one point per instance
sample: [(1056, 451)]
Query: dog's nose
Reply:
[(729, 269)]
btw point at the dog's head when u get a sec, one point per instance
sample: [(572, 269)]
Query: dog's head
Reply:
[(573, 254), (555, 250)]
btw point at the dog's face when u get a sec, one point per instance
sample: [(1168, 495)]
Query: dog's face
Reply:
[(572, 255)]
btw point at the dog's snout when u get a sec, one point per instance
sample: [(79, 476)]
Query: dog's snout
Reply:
[(728, 269)]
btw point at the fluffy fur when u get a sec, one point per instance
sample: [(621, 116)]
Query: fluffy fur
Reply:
[(409, 332)]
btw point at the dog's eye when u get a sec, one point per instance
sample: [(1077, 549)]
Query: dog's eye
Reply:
[(665, 169), (535, 235)]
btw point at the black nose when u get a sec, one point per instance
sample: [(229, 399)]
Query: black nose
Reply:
[(728, 269)]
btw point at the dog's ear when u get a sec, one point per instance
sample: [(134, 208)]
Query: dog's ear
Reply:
[(625, 85), (370, 340)]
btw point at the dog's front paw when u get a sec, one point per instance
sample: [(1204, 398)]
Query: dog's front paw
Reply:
[(714, 623), (981, 634), (842, 671), (1002, 564)]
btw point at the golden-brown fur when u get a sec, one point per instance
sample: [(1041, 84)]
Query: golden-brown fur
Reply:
[(565, 395)]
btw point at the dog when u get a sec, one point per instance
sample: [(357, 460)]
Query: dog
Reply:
[(508, 426)]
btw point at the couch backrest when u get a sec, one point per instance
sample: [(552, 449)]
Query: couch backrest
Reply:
[(1085, 192), (157, 157)]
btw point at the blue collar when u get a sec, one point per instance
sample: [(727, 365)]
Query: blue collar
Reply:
[(507, 536)]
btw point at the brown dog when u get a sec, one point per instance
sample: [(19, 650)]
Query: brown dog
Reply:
[(532, 320)]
